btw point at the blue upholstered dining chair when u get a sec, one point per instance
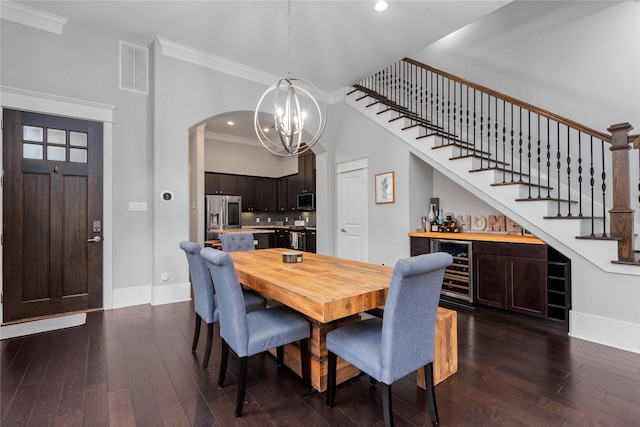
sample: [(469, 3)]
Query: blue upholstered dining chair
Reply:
[(400, 342), (204, 298), (237, 241), (251, 333)]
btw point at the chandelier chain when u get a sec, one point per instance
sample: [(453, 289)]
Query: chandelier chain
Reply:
[(289, 40)]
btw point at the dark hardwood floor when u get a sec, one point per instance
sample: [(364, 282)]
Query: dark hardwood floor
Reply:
[(134, 367)]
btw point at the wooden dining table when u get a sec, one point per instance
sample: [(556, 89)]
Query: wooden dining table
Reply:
[(330, 292)]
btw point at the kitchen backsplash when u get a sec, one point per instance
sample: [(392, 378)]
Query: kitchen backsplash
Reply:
[(250, 219)]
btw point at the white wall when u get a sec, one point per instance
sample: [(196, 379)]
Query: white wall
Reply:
[(243, 159), (84, 66)]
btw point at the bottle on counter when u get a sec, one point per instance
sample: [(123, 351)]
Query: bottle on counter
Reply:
[(433, 219)]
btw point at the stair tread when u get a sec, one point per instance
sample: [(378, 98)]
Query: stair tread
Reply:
[(544, 199)]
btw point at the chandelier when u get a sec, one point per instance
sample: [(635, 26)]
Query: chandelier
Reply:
[(296, 112)]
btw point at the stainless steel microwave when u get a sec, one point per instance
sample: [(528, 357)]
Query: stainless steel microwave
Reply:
[(306, 202)]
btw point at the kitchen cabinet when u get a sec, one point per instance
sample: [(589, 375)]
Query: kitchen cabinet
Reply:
[(307, 172), (270, 200), (245, 189), (511, 276), (287, 193), (292, 182), (310, 237), (257, 191), (219, 183)]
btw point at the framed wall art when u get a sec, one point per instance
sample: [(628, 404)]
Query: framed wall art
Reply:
[(385, 188)]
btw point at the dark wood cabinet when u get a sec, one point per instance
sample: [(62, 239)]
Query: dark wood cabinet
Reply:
[(283, 194), (245, 189), (257, 190), (310, 237), (420, 246), (270, 199), (511, 276), (307, 172), (219, 183), (292, 182)]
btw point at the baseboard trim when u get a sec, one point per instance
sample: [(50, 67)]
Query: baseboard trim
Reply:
[(602, 330), (154, 295), (42, 325)]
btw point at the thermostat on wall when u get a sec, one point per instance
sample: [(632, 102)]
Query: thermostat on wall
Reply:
[(167, 196)]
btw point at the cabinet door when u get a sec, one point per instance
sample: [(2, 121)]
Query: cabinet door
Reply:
[(245, 190), (527, 293), (283, 194), (257, 191), (490, 279), (228, 184), (270, 195), (310, 236), (419, 246), (307, 173), (292, 181), (211, 183)]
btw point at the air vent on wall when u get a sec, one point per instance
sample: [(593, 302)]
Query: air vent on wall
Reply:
[(134, 68)]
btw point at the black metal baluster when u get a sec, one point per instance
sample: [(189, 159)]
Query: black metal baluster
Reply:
[(539, 160), (455, 106), (548, 159), (519, 143), (512, 140), (431, 98), (438, 99), (558, 164), (461, 112), (504, 138), (495, 130), (604, 192), (569, 172), (474, 118), (481, 126), (528, 151), (580, 198), (448, 106), (467, 133), (592, 183), (482, 155)]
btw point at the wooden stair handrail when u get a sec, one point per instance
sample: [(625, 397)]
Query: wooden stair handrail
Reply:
[(515, 101)]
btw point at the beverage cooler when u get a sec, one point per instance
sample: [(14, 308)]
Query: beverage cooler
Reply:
[(457, 285)]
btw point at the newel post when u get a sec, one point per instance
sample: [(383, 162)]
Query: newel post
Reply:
[(621, 214)]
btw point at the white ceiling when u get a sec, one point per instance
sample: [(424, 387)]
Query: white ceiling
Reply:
[(334, 44)]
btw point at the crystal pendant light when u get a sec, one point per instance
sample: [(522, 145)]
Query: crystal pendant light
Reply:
[(296, 112)]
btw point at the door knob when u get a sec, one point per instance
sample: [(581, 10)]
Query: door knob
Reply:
[(343, 230), (95, 239)]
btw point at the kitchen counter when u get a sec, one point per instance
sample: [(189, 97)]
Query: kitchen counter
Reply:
[(485, 237), (271, 227)]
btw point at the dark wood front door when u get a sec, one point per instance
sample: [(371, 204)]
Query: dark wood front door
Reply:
[(52, 198)]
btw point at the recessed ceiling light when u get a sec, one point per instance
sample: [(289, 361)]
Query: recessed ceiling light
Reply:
[(230, 123), (381, 6), (266, 129)]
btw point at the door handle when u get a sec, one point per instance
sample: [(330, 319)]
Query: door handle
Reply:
[(95, 239), (343, 230)]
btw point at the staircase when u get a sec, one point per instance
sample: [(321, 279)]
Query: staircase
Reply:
[(553, 176)]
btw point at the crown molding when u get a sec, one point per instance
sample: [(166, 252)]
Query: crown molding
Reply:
[(207, 60), (223, 137), (204, 59), (31, 17)]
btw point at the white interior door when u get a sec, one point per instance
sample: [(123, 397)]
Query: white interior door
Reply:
[(352, 212)]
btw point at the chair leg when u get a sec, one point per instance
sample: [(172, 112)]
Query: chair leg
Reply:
[(280, 356), (196, 334), (387, 411), (242, 385), (331, 379), (207, 352), (431, 393), (224, 357), (306, 363)]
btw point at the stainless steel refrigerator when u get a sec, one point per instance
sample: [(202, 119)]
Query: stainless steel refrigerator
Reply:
[(221, 213)]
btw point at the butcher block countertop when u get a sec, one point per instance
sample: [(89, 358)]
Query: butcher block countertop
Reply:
[(485, 237)]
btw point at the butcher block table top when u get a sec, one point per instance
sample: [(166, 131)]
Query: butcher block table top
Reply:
[(321, 287)]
